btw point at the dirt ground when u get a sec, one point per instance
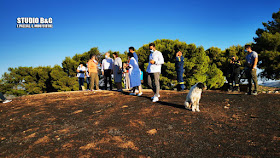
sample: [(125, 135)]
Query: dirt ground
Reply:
[(112, 124)]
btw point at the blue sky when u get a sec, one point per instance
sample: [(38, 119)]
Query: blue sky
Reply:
[(116, 25)]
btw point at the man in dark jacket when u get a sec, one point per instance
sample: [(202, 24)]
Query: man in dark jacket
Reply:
[(179, 65), (234, 71)]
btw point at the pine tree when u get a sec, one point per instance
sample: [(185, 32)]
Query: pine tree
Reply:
[(268, 47), (215, 78), (61, 82)]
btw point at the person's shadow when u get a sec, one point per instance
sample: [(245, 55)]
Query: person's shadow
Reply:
[(179, 106)]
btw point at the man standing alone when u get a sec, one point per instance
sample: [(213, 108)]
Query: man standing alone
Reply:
[(154, 69), (179, 64), (106, 69), (251, 69)]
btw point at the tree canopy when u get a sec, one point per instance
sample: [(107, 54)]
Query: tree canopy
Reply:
[(196, 63), (268, 46)]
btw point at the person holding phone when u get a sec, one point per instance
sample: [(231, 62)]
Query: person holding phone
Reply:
[(179, 65), (92, 69), (81, 70)]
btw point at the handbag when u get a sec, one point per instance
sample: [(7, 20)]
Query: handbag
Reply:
[(119, 71)]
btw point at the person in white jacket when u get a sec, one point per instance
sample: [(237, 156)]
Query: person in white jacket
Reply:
[(154, 69)]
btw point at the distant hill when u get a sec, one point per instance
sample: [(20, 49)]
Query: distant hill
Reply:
[(271, 84)]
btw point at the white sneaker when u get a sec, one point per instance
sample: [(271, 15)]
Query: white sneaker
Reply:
[(139, 94), (132, 93), (155, 99), (6, 101)]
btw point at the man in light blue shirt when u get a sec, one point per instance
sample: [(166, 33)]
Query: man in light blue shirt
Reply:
[(251, 69)]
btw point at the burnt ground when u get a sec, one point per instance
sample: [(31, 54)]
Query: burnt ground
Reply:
[(111, 124)]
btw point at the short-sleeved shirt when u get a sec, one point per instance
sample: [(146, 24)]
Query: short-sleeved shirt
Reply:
[(92, 66), (107, 64), (81, 68), (250, 58)]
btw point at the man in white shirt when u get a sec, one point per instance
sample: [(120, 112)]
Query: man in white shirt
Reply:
[(154, 69), (106, 69)]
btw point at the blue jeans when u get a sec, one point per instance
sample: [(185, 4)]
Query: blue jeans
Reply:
[(81, 83), (88, 82)]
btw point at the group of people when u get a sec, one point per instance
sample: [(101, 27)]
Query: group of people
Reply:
[(250, 71), (131, 70), (133, 74)]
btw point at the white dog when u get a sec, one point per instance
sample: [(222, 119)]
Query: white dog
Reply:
[(193, 97)]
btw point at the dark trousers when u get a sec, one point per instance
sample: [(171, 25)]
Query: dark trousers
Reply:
[(153, 82), (252, 75), (81, 83), (108, 74), (233, 77), (88, 82), (180, 80)]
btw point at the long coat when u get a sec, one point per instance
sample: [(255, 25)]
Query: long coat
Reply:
[(134, 73), (116, 69)]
